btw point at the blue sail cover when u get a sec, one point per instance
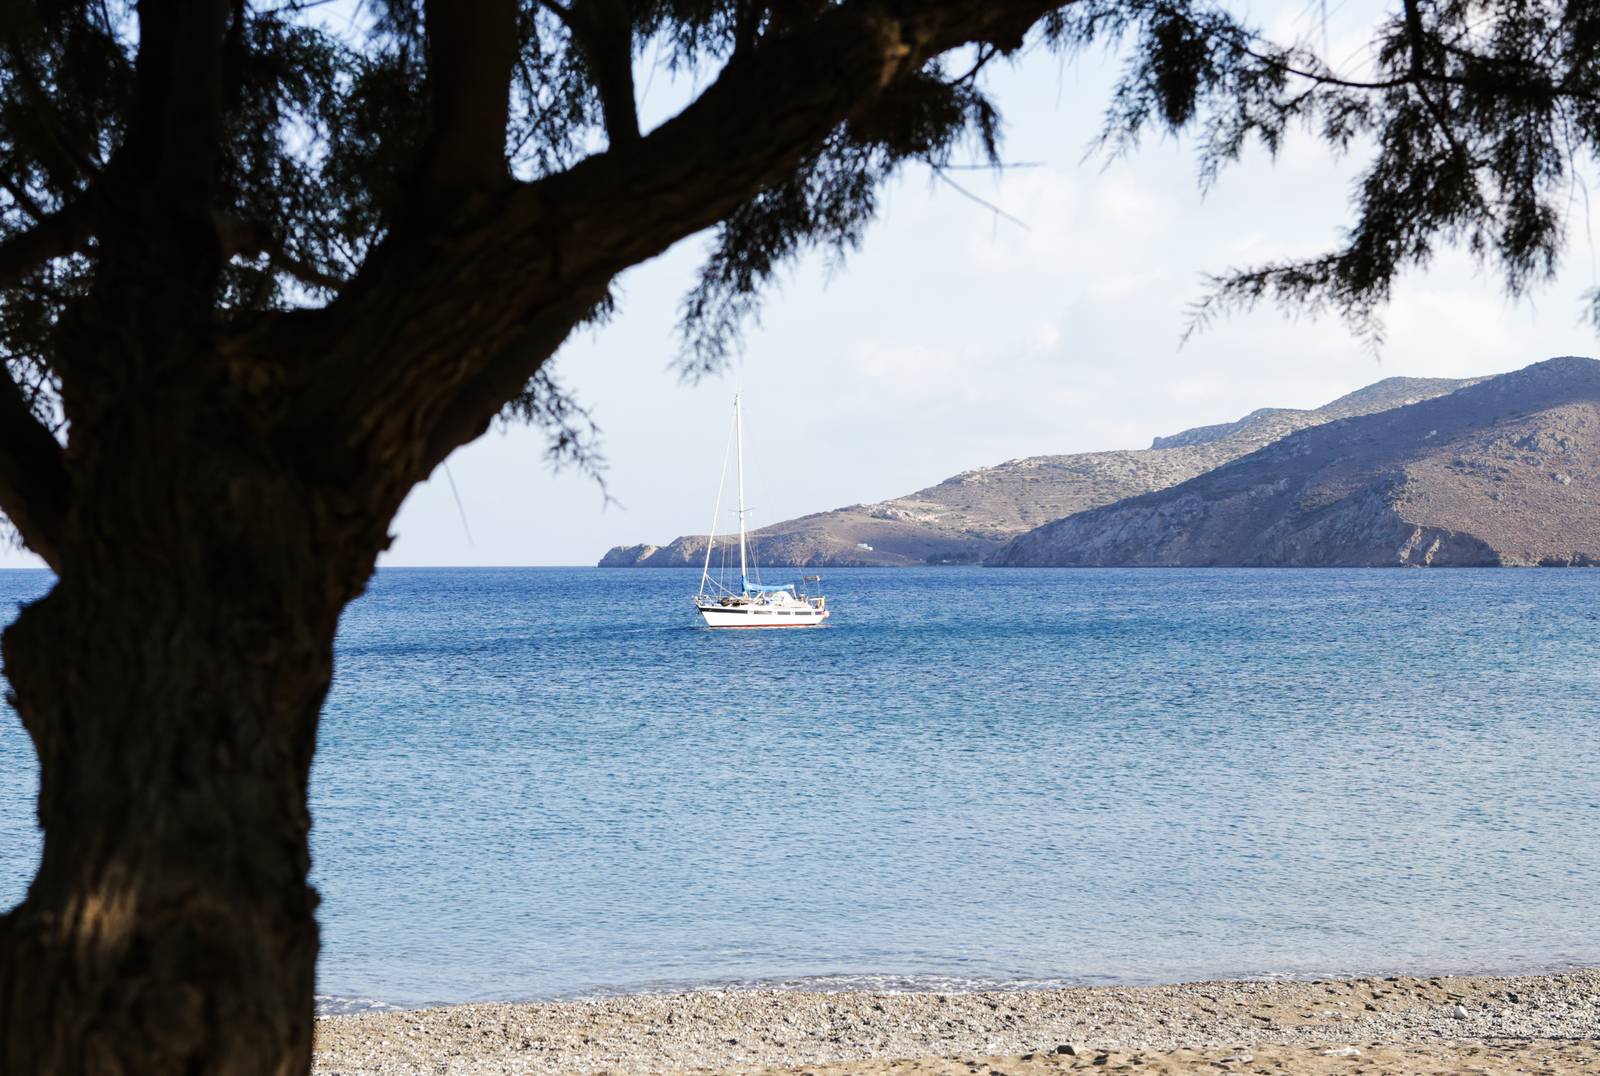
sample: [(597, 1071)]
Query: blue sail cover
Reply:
[(757, 588)]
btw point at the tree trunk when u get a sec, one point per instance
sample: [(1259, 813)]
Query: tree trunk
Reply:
[(230, 478), (171, 683)]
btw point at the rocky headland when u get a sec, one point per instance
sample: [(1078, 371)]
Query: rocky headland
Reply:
[(1505, 471), (967, 518)]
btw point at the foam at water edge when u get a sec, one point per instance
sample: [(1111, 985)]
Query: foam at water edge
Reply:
[(890, 983), (334, 1005)]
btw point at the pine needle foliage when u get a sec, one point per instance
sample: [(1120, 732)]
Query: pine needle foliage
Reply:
[(1476, 121), (264, 264)]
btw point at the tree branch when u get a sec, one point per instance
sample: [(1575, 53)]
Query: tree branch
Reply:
[(1421, 72), (303, 271), (58, 234), (1564, 88), (559, 10), (242, 238), (478, 399), (472, 47), (64, 164), (22, 198), (746, 26), (435, 333), (1415, 38), (35, 489), (603, 30)]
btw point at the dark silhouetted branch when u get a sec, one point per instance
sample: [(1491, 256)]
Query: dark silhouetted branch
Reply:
[(402, 379), (472, 48), (603, 29), (22, 198), (746, 26), (303, 271), (63, 232), (442, 327), (35, 489), (242, 238)]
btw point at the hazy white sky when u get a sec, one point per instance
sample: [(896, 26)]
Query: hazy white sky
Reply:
[(957, 339)]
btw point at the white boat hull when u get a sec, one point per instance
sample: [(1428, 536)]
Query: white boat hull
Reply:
[(759, 616)]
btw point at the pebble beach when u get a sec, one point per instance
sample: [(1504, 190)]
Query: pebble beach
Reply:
[(1523, 1024)]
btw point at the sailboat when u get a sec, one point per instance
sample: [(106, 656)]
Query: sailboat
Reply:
[(752, 605)]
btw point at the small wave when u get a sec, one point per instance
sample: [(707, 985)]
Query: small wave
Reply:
[(843, 983), (336, 1005), (884, 983)]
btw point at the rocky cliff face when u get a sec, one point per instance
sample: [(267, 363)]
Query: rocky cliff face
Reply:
[(1504, 471), (967, 518)]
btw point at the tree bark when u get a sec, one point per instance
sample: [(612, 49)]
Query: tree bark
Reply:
[(227, 490), (171, 683)]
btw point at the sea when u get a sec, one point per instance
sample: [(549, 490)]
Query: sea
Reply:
[(548, 783)]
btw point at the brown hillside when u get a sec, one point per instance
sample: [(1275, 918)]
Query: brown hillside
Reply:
[(966, 518), (1506, 471)]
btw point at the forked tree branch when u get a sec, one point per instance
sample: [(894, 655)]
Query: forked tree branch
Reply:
[(438, 331)]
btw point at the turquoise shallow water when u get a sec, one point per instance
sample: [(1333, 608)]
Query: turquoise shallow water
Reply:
[(545, 782)]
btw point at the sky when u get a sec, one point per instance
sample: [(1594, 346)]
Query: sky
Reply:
[(959, 337)]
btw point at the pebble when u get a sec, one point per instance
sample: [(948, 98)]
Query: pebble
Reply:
[(752, 1030)]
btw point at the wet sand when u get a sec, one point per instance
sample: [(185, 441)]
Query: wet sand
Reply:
[(1525, 1024)]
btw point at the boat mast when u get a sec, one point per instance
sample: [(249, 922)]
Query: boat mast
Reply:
[(716, 512), (738, 428)]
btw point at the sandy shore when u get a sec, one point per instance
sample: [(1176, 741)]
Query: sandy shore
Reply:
[(1527, 1024)]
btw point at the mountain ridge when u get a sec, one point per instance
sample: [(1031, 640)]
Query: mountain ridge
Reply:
[(1505, 471), (971, 515)]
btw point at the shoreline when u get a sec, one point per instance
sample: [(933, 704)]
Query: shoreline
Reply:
[(1544, 1023), (934, 983)]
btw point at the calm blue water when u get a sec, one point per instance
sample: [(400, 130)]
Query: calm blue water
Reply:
[(549, 781)]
